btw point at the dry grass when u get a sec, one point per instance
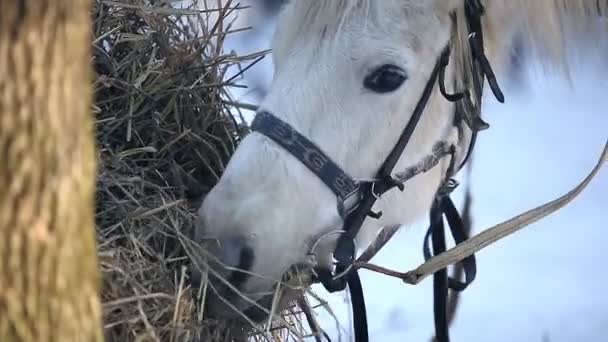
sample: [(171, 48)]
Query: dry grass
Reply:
[(164, 134)]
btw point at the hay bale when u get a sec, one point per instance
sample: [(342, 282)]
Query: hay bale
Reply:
[(164, 134)]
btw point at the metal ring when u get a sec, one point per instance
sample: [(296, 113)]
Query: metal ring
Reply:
[(452, 183), (338, 276), (355, 190), (326, 235), (369, 180)]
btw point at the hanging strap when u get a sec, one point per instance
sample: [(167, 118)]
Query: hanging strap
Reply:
[(444, 206), (358, 305), (440, 278)]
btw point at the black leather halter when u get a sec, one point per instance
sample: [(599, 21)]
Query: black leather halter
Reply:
[(355, 199)]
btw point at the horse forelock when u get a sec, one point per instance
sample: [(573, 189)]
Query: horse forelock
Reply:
[(331, 15), (541, 20)]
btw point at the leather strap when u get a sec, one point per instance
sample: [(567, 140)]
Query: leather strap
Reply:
[(358, 305), (440, 278), (307, 153)]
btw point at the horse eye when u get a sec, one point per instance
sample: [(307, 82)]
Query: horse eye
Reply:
[(385, 79)]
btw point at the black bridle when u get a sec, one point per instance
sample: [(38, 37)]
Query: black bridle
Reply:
[(356, 199)]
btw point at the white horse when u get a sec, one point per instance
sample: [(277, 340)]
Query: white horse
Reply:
[(348, 74)]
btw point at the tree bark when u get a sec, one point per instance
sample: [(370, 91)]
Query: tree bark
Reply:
[(49, 275)]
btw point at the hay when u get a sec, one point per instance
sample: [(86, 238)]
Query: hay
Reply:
[(164, 133)]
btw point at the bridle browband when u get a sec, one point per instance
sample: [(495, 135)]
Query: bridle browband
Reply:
[(355, 199)]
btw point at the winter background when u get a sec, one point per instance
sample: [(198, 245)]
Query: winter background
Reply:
[(545, 283)]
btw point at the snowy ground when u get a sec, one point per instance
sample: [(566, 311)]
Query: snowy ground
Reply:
[(546, 283)]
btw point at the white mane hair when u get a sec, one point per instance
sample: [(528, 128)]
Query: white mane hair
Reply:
[(542, 22), (268, 209)]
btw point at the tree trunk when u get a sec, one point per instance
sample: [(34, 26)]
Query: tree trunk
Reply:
[(49, 275)]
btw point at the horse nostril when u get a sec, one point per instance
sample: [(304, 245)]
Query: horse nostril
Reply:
[(237, 255)]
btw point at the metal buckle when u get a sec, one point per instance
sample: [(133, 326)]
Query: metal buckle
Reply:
[(448, 187), (351, 202)]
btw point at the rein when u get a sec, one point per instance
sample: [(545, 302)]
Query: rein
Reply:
[(355, 199)]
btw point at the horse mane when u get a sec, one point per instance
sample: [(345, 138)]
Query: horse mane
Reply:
[(329, 11), (543, 26), (326, 12)]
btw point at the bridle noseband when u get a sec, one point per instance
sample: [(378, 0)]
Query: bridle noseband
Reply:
[(355, 199)]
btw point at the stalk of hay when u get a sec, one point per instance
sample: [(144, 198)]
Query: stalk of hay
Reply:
[(164, 134)]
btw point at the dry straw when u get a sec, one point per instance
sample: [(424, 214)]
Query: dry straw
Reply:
[(164, 133)]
